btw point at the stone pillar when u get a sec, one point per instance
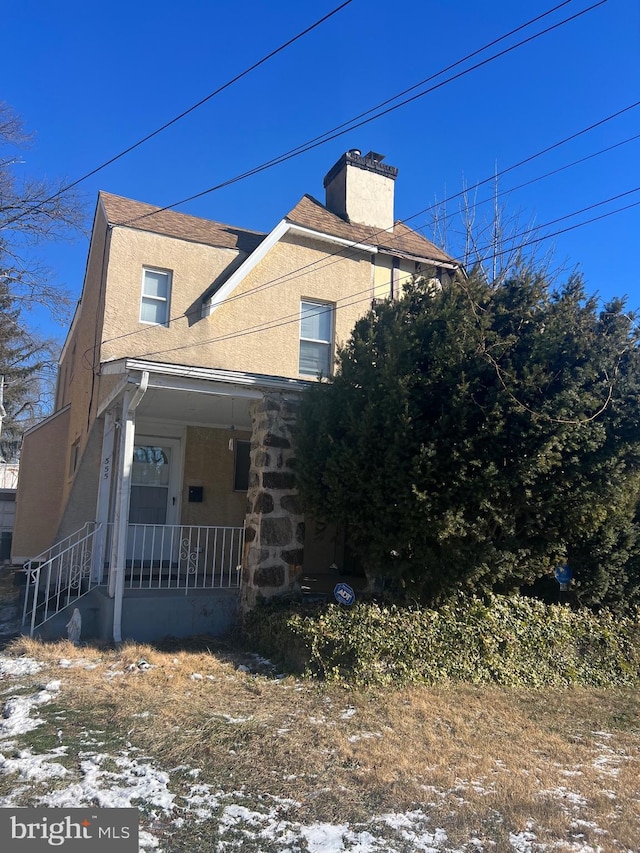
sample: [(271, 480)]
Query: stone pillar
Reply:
[(274, 522)]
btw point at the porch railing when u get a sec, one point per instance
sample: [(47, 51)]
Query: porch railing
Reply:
[(60, 575), (157, 557), (183, 557)]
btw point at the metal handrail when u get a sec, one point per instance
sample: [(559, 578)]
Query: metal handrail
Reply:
[(68, 575), (158, 556)]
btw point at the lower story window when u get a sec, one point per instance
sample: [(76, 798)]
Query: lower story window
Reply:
[(241, 466), (316, 335)]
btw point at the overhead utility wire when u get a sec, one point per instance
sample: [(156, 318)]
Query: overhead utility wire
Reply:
[(531, 181), (317, 139), (187, 111), (315, 144), (339, 254), (295, 317)]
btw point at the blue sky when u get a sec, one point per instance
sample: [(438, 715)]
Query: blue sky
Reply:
[(91, 79)]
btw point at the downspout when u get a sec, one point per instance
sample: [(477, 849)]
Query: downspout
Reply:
[(130, 403)]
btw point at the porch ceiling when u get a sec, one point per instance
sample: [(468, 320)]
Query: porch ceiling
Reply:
[(198, 409)]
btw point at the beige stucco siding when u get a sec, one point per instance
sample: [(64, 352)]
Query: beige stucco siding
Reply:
[(78, 379), (293, 270), (209, 463), (193, 267), (256, 329), (382, 276), (41, 485)]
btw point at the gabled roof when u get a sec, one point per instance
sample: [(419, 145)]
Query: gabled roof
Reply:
[(313, 219), (403, 241), (146, 217)]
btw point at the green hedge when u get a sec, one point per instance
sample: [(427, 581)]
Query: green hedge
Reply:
[(513, 641)]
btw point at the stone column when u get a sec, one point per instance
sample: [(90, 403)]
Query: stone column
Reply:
[(274, 522)]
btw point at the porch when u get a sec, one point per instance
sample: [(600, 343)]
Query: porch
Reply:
[(189, 475), (178, 580)]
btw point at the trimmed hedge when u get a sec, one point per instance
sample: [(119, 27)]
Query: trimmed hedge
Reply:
[(513, 641)]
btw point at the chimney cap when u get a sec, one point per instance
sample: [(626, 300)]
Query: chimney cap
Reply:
[(371, 162)]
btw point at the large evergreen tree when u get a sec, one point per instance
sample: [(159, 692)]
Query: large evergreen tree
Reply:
[(475, 437)]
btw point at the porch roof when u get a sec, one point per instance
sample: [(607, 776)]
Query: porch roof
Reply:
[(195, 395)]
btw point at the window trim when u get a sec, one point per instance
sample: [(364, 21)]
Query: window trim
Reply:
[(328, 343), (156, 299)]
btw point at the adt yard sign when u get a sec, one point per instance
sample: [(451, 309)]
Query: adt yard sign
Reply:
[(343, 594), (563, 575)]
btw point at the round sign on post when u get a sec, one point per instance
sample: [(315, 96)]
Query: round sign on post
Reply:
[(563, 575), (344, 594)]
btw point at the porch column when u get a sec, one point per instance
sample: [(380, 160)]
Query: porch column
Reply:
[(274, 537), (130, 402), (104, 491)]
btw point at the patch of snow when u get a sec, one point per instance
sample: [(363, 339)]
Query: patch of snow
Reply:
[(36, 768), (146, 841), (324, 837), (235, 720), (122, 788), (522, 841), (565, 795), (65, 663), (16, 714), (18, 666)]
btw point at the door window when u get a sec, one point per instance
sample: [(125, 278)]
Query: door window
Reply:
[(149, 484)]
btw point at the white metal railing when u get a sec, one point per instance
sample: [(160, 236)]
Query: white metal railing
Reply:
[(183, 557), (61, 575), (157, 557)]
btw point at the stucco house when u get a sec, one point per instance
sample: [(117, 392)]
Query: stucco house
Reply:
[(159, 497)]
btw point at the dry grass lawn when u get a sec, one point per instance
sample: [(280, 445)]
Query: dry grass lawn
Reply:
[(484, 761)]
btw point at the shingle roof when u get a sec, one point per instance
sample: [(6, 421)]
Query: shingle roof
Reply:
[(310, 213), (146, 217)]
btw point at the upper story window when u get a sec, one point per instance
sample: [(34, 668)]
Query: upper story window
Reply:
[(156, 294), (316, 335)]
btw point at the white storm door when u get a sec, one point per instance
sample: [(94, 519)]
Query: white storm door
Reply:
[(154, 500)]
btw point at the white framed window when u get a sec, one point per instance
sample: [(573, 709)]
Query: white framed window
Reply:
[(316, 337), (156, 296)]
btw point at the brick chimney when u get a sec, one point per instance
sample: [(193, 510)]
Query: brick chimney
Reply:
[(360, 189)]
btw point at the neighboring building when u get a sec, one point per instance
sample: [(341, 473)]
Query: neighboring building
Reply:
[(8, 487), (166, 467)]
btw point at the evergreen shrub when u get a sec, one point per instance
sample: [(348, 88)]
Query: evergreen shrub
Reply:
[(511, 641)]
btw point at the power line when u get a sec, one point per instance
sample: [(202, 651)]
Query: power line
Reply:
[(324, 138), (575, 213), (295, 317), (532, 180), (186, 112), (339, 255)]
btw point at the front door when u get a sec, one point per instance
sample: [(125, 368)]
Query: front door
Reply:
[(153, 506)]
